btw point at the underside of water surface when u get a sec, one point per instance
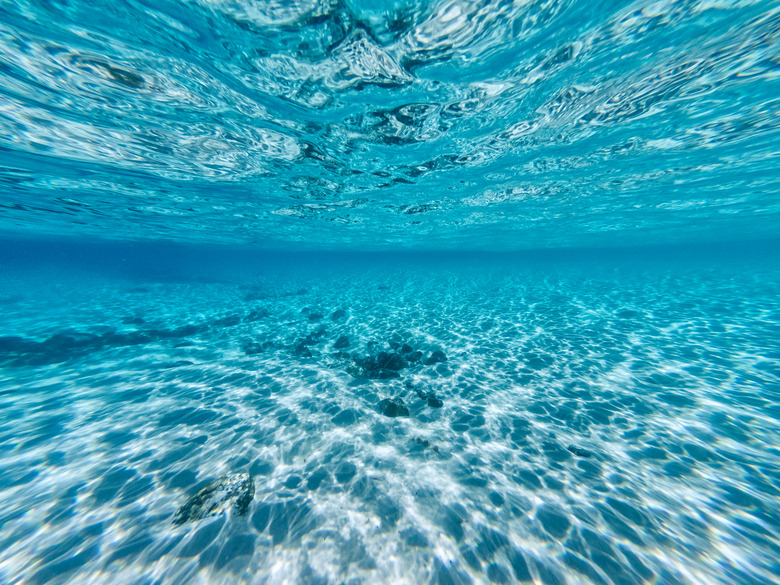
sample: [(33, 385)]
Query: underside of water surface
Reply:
[(335, 292)]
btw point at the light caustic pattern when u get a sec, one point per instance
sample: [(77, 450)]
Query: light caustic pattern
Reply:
[(598, 427), (483, 124)]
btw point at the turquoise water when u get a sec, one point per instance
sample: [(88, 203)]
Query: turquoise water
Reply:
[(417, 292)]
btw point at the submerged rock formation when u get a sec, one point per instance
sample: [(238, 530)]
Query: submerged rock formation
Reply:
[(435, 358), (383, 365), (578, 451), (234, 490), (393, 407), (430, 397)]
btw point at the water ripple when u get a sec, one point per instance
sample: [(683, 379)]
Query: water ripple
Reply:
[(230, 111)]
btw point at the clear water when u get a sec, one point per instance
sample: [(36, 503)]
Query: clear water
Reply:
[(577, 203)]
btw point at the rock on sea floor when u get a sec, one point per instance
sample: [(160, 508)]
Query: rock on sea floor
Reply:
[(393, 407), (234, 490)]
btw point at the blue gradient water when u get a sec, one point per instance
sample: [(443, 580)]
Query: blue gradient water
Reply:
[(230, 230)]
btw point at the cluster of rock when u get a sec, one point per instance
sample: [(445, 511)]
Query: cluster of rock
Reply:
[(387, 364), (430, 398)]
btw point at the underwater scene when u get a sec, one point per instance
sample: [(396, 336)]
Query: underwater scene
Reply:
[(328, 292)]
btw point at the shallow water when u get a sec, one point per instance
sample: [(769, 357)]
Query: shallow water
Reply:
[(604, 421), (236, 236)]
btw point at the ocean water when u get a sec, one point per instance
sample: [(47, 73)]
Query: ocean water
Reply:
[(338, 292)]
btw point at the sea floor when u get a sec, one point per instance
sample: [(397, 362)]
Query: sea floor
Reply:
[(597, 425)]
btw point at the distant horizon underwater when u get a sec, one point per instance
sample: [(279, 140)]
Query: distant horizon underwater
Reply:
[(459, 292)]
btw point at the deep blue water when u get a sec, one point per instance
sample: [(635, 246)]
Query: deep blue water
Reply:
[(416, 292)]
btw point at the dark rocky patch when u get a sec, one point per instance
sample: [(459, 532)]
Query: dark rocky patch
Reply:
[(315, 316), (300, 349), (73, 344), (256, 315), (234, 490), (406, 348), (315, 336), (429, 397), (436, 357), (341, 342), (133, 321), (390, 361), (433, 401), (383, 365), (414, 356), (579, 452), (393, 407), (254, 347), (338, 314)]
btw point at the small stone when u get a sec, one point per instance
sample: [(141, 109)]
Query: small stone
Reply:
[(414, 356), (234, 490), (338, 314), (435, 358), (393, 407), (434, 402), (315, 316), (578, 451), (341, 342), (406, 348)]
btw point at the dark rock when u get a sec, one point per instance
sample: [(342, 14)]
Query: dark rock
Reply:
[(133, 321), (390, 361), (234, 490), (256, 315), (342, 355), (393, 407), (414, 356), (252, 348), (578, 451), (435, 358), (314, 337), (341, 342), (429, 397), (383, 287), (315, 316), (406, 348), (434, 402), (301, 350), (381, 366), (394, 344), (338, 314)]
